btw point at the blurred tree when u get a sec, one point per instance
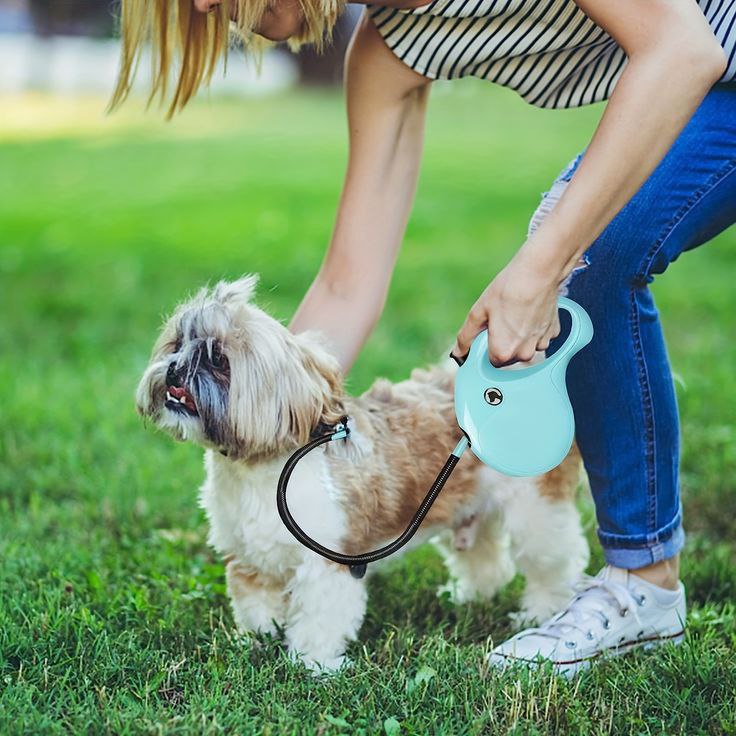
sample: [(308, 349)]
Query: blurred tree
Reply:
[(73, 17)]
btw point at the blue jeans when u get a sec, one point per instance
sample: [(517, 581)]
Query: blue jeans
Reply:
[(621, 385)]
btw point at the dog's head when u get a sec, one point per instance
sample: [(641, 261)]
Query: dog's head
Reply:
[(226, 375)]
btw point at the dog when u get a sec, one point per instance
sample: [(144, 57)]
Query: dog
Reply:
[(229, 377)]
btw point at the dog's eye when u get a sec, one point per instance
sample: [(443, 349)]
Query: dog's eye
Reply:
[(218, 359)]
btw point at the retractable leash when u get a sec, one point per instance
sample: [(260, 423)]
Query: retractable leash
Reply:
[(519, 422)]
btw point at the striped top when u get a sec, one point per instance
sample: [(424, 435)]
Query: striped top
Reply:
[(548, 51)]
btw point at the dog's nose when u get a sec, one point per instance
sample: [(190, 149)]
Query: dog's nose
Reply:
[(172, 376)]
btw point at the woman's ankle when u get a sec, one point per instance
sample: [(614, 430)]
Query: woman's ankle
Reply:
[(665, 574)]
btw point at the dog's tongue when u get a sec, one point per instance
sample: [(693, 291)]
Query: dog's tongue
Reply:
[(177, 391)]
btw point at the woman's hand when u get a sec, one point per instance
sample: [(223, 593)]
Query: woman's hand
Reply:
[(519, 307)]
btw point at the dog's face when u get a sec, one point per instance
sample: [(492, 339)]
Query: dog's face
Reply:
[(226, 375)]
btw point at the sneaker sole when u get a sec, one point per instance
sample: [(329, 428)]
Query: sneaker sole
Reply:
[(573, 666)]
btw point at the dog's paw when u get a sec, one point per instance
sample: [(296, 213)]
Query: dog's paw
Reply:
[(256, 625), (251, 634), (329, 667), (247, 639), (318, 666), (455, 593), (523, 619), (256, 640), (538, 607)]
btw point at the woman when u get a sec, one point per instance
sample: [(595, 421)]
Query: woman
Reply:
[(658, 178)]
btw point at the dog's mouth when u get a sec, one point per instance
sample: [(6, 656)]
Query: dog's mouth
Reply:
[(179, 399)]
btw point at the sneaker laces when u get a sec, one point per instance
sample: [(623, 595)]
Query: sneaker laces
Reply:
[(596, 597)]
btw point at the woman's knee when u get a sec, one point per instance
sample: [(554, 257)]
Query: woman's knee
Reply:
[(607, 274), (617, 257)]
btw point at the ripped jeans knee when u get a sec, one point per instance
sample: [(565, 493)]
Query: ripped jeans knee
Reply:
[(548, 203)]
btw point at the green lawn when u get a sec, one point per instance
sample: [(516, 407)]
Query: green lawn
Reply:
[(113, 615)]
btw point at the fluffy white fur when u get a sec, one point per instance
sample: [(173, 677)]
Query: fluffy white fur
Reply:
[(229, 377)]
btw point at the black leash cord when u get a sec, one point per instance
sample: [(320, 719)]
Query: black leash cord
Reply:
[(358, 563)]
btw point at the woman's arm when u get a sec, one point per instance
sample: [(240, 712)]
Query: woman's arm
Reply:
[(674, 59), (386, 104)]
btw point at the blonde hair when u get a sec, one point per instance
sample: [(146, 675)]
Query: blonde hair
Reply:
[(195, 42)]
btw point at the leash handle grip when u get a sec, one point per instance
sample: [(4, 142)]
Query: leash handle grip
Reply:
[(581, 333), (520, 421)]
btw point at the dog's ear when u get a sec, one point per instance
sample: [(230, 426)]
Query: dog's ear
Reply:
[(240, 291), (326, 382)]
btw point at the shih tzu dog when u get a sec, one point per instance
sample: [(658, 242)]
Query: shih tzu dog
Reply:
[(227, 376)]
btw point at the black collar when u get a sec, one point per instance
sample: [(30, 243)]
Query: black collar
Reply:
[(324, 428)]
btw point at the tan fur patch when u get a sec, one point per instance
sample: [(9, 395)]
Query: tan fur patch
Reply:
[(560, 483), (241, 581), (412, 428)]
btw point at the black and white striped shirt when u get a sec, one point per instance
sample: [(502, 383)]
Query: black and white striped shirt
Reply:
[(548, 51)]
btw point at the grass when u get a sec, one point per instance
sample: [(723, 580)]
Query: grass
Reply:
[(113, 614)]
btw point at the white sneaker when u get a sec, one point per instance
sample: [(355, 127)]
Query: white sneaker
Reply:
[(612, 613)]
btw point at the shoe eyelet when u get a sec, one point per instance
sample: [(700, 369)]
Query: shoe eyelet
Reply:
[(624, 612), (607, 624), (570, 644), (642, 600), (589, 636)]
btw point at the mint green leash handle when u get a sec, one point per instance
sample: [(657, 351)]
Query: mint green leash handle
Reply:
[(520, 421)]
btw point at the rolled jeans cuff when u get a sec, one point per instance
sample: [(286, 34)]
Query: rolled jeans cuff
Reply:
[(632, 553)]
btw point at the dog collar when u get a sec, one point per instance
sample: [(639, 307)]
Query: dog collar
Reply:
[(323, 428)]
